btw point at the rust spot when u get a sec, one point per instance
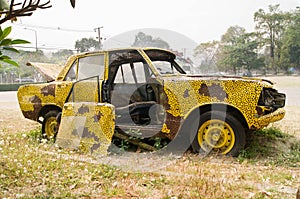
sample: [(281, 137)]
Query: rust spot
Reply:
[(215, 90), (203, 90), (37, 105), (95, 147), (97, 117), (173, 124), (186, 93), (87, 134), (83, 109), (48, 90)]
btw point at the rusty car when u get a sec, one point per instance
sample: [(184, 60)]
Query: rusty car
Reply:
[(153, 96)]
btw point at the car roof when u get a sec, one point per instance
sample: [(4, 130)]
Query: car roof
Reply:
[(120, 49)]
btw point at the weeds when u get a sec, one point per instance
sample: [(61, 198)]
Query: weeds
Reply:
[(272, 146), (31, 167), (272, 133)]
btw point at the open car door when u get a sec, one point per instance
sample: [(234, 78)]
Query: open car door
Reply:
[(86, 124)]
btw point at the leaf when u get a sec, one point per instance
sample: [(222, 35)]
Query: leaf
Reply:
[(2, 57), (5, 33), (19, 41), (10, 49), (9, 61), (5, 42)]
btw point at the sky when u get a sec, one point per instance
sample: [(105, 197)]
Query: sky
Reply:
[(61, 26)]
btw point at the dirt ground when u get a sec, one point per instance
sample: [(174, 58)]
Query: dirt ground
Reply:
[(12, 120)]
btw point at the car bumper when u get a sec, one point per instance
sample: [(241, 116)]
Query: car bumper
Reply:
[(263, 121)]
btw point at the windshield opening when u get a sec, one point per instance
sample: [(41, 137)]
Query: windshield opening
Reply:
[(164, 62)]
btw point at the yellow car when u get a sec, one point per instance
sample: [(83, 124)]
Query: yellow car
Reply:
[(154, 97)]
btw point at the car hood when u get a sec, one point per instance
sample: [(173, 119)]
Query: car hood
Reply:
[(47, 70)]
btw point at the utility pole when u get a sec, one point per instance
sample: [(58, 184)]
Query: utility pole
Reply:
[(99, 35)]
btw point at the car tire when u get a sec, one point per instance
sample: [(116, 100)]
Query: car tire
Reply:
[(219, 132), (50, 125)]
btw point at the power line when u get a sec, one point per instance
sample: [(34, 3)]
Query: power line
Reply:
[(72, 30), (51, 28), (45, 48)]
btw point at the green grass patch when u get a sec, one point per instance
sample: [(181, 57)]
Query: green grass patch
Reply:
[(272, 146)]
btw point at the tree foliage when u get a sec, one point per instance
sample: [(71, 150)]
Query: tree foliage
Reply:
[(270, 26), (291, 43), (231, 35), (144, 40), (6, 45), (239, 50), (20, 9), (274, 45), (86, 44), (208, 54)]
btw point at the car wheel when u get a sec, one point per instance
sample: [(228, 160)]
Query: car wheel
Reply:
[(219, 132), (50, 125)]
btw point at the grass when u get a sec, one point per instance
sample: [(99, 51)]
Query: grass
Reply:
[(272, 146), (31, 167)]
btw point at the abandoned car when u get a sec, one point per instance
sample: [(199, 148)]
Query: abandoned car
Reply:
[(154, 97)]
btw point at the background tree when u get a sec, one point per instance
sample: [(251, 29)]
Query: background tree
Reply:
[(228, 40), (291, 43), (207, 54), (231, 35), (270, 27), (61, 56), (10, 72), (144, 40), (86, 44), (239, 50)]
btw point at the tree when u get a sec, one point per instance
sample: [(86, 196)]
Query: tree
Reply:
[(291, 43), (231, 35), (86, 44), (61, 56), (270, 27), (11, 12), (14, 10), (144, 40), (239, 50), (207, 52)]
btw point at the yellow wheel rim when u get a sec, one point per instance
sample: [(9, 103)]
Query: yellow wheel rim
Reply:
[(216, 135), (51, 127)]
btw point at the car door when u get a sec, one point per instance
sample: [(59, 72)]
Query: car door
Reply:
[(86, 124)]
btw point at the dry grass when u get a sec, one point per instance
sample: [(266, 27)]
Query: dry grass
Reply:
[(290, 85), (30, 168)]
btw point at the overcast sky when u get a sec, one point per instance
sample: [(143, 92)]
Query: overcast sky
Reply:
[(200, 20)]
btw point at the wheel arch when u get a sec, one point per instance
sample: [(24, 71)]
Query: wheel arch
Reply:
[(197, 111), (48, 108)]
